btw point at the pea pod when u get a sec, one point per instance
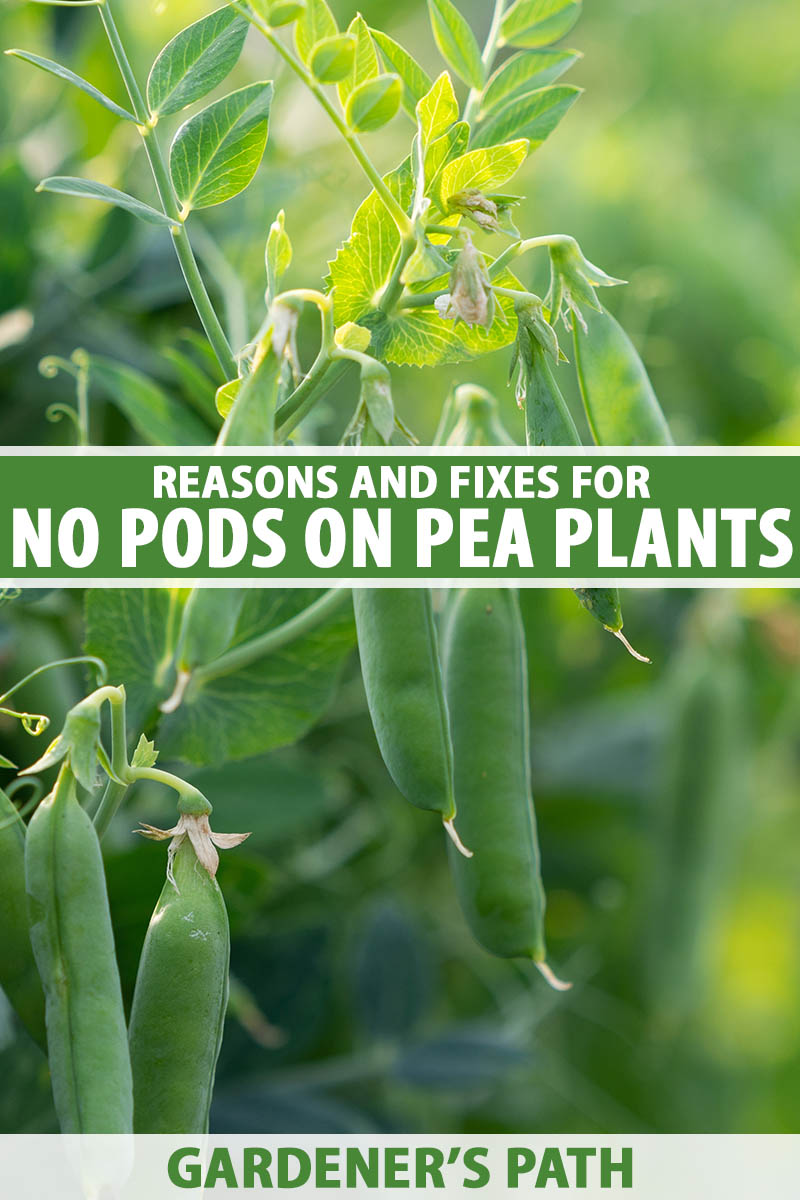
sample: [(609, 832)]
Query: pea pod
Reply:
[(179, 1002), (19, 977), (621, 406), (73, 944), (486, 681), (549, 422), (403, 680), (208, 624)]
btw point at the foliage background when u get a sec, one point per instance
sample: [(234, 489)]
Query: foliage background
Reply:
[(675, 171)]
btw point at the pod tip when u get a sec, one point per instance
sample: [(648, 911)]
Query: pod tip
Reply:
[(452, 833), (620, 636), (547, 972)]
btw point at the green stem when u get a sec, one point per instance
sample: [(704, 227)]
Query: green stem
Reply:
[(319, 380), (195, 801), (169, 201), (107, 809), (489, 51), (394, 288), (250, 652), (397, 213), (102, 671)]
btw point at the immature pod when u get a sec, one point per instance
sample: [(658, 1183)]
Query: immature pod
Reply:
[(208, 624), (549, 422), (19, 978), (73, 944), (403, 680), (486, 682), (179, 1001), (621, 406)]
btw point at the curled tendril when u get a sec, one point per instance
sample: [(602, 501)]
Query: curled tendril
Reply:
[(50, 366), (54, 413), (9, 594), (33, 723)]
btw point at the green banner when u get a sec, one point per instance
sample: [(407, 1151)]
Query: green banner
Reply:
[(307, 516)]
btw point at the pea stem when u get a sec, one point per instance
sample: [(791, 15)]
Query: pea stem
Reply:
[(393, 207), (169, 201), (60, 662), (475, 97), (275, 639)]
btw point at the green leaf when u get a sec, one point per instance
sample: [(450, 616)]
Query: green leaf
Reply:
[(525, 71), (145, 754), (155, 416), (438, 109), (54, 68), (216, 153), (535, 23), (365, 65), (449, 146), (274, 701), (416, 82), (225, 396), (332, 58), (534, 116), (251, 420), (316, 23), (278, 254), (87, 189), (419, 336), (196, 61), (127, 628), (456, 41), (374, 103), (482, 169), (196, 385)]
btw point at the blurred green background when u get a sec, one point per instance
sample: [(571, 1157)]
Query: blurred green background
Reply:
[(677, 170), (362, 1003)]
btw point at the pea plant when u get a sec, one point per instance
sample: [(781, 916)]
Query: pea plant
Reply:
[(426, 277)]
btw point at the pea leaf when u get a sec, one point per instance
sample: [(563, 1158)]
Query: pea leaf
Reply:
[(373, 103), (449, 146), (278, 254), (316, 23), (127, 628), (155, 416), (438, 109), (365, 63), (332, 58), (416, 81), (271, 703), (195, 61), (534, 116), (525, 71), (456, 42), (485, 169), (216, 153), (87, 189), (419, 336), (54, 68), (535, 23)]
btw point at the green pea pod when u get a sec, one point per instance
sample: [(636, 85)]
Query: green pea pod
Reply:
[(622, 408), (486, 681), (549, 422), (208, 624), (19, 978), (179, 1002), (73, 943), (699, 813), (403, 680)]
